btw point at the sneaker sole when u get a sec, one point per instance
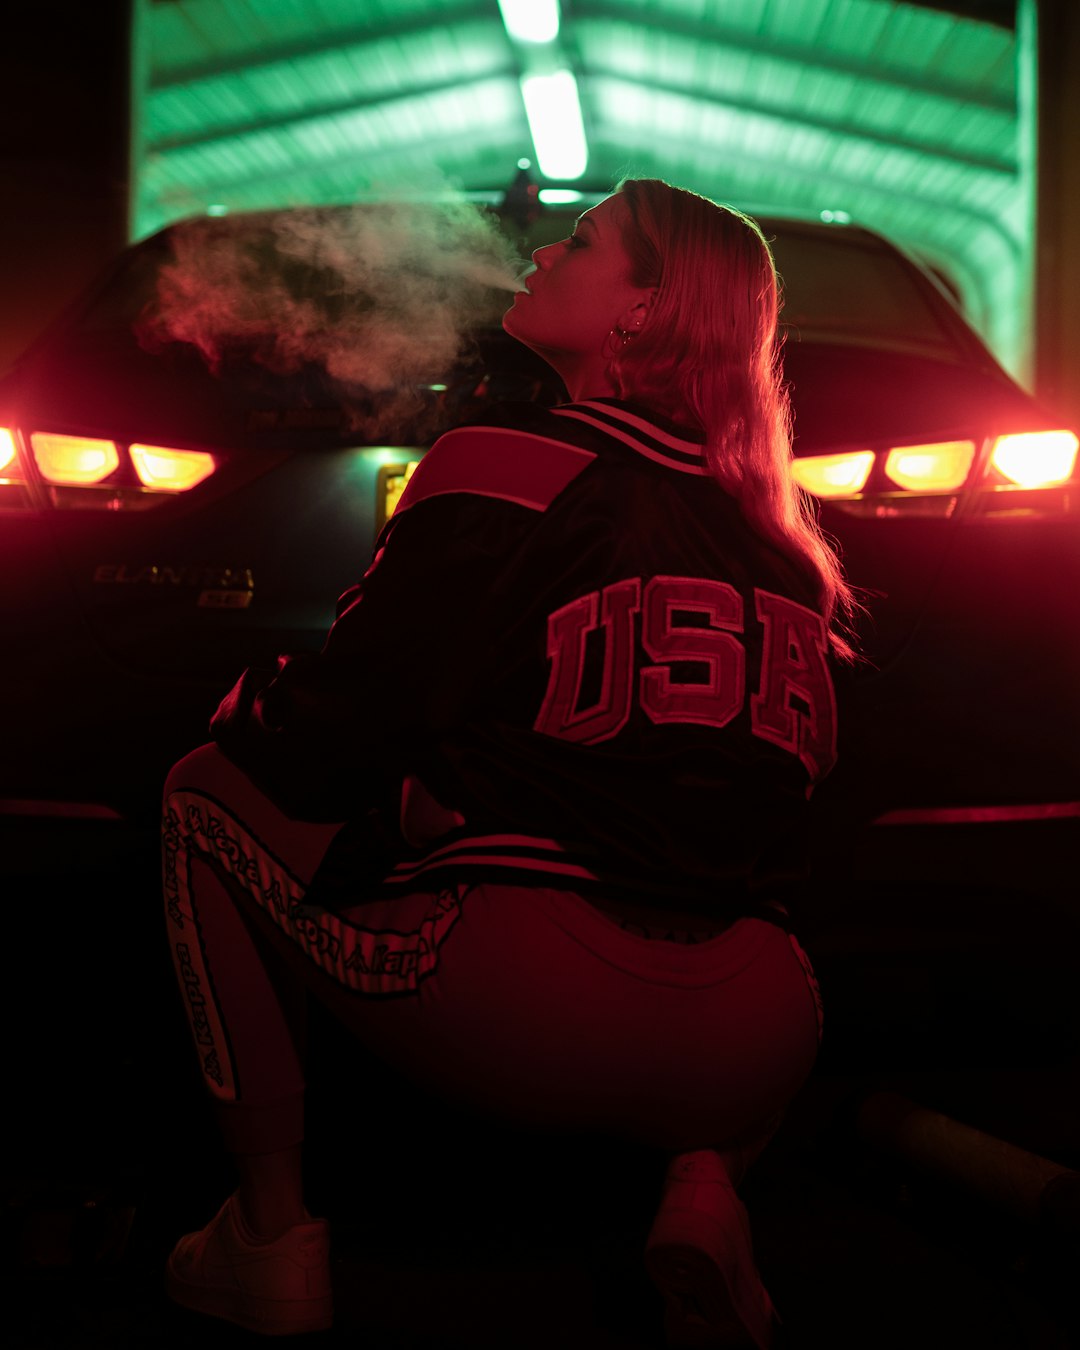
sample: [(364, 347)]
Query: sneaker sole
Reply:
[(269, 1317), (683, 1257)]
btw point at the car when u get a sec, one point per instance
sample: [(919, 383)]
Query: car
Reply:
[(180, 501)]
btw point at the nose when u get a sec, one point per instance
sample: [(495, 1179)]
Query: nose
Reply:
[(543, 254)]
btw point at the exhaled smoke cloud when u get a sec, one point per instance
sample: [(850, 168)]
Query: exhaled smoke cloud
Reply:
[(382, 297)]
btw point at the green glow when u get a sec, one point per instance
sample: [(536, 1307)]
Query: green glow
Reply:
[(907, 118), (380, 455)]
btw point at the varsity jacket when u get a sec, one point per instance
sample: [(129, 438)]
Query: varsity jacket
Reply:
[(570, 663)]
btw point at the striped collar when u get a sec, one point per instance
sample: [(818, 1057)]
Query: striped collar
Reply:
[(663, 444)]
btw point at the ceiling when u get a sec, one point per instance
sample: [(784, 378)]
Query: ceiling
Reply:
[(905, 117)]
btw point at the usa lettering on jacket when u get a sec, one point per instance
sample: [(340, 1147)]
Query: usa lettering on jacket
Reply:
[(793, 704)]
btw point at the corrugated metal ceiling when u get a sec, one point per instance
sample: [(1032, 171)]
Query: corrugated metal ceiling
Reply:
[(903, 116)]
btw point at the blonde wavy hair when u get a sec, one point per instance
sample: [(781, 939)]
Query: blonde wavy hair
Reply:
[(711, 350)]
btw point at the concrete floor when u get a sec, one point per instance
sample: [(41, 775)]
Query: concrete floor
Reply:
[(450, 1232), (446, 1237)]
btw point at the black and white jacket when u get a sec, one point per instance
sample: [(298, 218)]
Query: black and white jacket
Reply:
[(582, 665)]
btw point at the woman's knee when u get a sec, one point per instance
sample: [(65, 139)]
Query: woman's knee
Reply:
[(206, 780), (203, 768)]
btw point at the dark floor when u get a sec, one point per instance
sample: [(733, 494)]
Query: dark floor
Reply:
[(453, 1233)]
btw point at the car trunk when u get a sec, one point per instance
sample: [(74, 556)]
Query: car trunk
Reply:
[(251, 561), (895, 546)]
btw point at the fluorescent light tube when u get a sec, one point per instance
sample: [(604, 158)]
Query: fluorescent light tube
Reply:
[(558, 133), (531, 20)]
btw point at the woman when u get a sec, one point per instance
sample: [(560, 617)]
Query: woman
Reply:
[(608, 628)]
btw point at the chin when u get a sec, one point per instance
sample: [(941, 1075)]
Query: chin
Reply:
[(511, 322), (512, 308)]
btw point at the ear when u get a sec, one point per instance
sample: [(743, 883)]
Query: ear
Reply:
[(632, 320)]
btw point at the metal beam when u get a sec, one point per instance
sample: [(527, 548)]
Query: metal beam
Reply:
[(994, 164), (324, 41), (345, 164), (997, 164), (804, 55), (831, 182), (325, 108)]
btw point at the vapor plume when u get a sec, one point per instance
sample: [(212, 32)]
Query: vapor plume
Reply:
[(382, 297)]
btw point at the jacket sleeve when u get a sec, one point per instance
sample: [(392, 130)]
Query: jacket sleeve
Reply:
[(328, 735)]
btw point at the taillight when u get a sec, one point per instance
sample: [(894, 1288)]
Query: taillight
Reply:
[(168, 470), (7, 448), (15, 493), (90, 472), (1019, 473), (1035, 459), (940, 467), (69, 460), (834, 475)]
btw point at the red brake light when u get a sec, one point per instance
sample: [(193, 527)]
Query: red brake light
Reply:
[(7, 447), (168, 470), (840, 475), (1026, 472), (92, 473), (940, 467), (73, 459), (1035, 459)]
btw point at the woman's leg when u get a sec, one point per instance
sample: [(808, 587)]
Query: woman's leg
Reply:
[(540, 1007), (248, 948), (235, 996), (547, 1009), (261, 1262)]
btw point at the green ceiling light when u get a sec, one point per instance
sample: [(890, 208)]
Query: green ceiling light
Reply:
[(560, 196), (531, 20), (558, 133)]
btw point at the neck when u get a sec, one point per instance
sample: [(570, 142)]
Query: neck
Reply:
[(589, 383), (584, 377)]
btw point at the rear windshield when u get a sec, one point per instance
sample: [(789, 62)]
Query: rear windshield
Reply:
[(840, 287), (130, 288), (111, 336)]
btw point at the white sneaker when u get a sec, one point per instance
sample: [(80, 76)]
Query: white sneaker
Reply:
[(277, 1288), (700, 1257)]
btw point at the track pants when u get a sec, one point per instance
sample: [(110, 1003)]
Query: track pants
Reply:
[(526, 1002)]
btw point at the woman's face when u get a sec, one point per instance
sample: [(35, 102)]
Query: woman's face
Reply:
[(579, 292)]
